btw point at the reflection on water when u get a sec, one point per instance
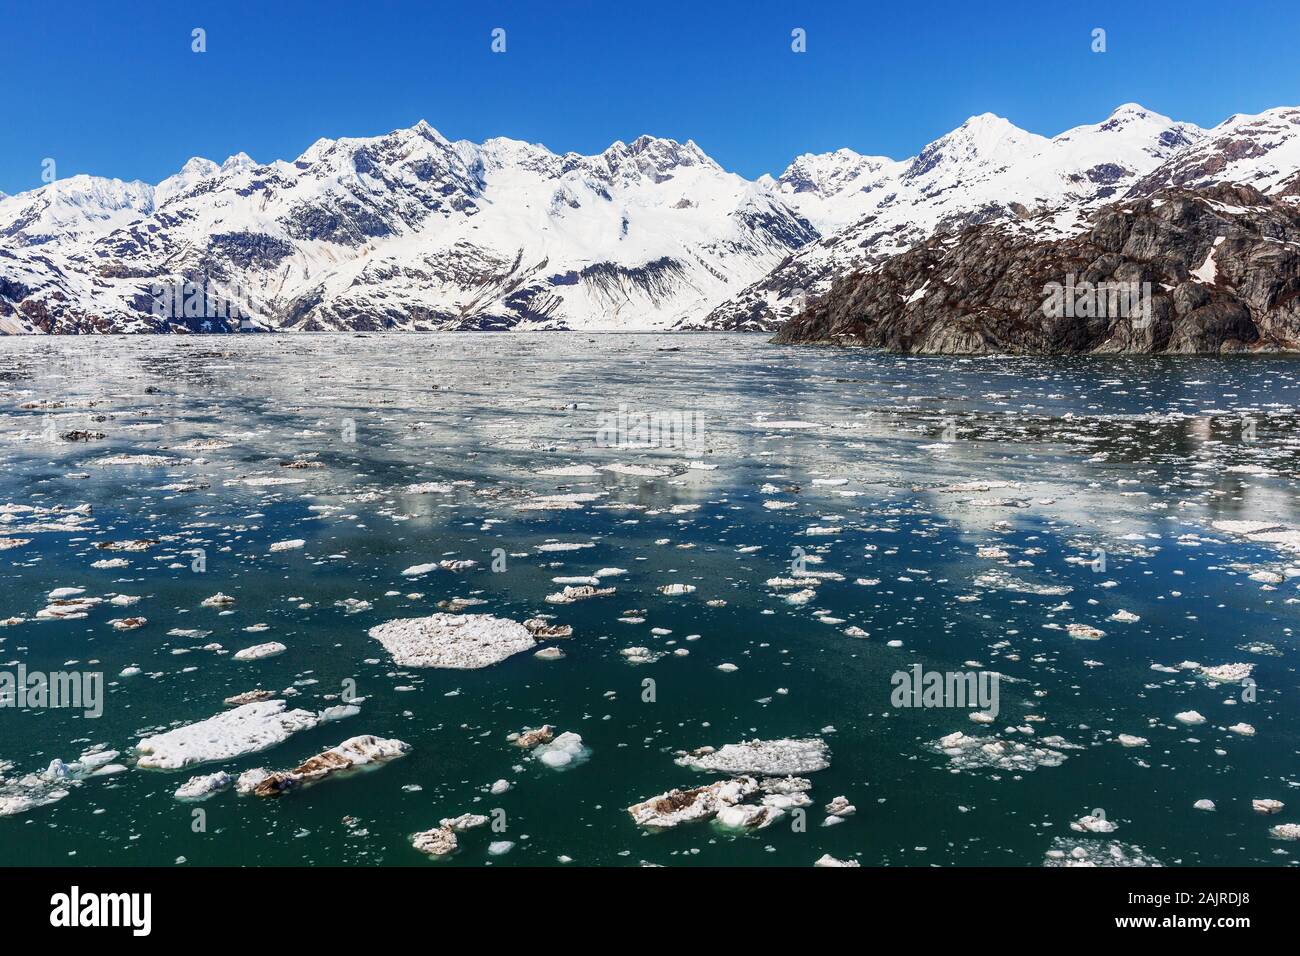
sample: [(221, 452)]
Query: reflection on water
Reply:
[(840, 515)]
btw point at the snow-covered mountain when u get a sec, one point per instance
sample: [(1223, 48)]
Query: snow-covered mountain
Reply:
[(413, 231), (986, 169), (406, 231)]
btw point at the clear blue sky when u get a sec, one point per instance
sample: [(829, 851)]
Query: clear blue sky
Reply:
[(112, 88)]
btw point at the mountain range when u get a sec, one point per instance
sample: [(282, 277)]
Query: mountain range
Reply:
[(411, 231)]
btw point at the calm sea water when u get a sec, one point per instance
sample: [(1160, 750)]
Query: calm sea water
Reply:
[(958, 499)]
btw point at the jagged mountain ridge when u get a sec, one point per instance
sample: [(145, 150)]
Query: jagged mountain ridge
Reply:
[(412, 231)]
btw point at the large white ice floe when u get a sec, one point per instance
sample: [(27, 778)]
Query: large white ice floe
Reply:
[(231, 733), (459, 641), (775, 757)]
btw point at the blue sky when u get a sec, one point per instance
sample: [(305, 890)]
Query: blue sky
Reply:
[(114, 89)]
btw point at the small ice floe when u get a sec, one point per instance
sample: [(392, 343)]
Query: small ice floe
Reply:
[(1189, 717), (640, 471), (1084, 632), (500, 847), (968, 752), (801, 597), (784, 757), (218, 600), (417, 570), (1128, 740), (204, 786), (428, 488), (687, 806), (352, 753), (499, 787), (728, 668), (1285, 831), (569, 471), (551, 546), (466, 821), (270, 481), (580, 593), (530, 738), (641, 655), (1267, 806), (672, 590), (260, 651), (440, 841), (457, 641), (128, 623), (701, 466), (1203, 805), (248, 697), (786, 424), (746, 816), (541, 629), (244, 730), (1124, 617), (1068, 852), (8, 544), (826, 860), (566, 750), (353, 605), (110, 564), (1226, 673), (18, 794), (1245, 730), (140, 461), (840, 807), (549, 654), (291, 545), (1094, 824)]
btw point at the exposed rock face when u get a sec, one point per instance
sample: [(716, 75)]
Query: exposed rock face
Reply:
[(1222, 266)]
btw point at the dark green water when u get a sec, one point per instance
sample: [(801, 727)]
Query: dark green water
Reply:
[(1135, 457)]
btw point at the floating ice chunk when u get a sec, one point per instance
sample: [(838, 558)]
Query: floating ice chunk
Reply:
[(643, 471), (745, 816), (500, 787), (580, 593), (826, 860), (232, 733), (782, 757), (1245, 730), (1227, 673), (1124, 617), (260, 651), (564, 751), (218, 600), (500, 847), (428, 488), (292, 545), (352, 753), (1067, 852), (570, 471), (1285, 831), (1189, 717), (440, 841), (466, 821), (457, 641), (202, 787), (1084, 632), (1094, 824), (672, 590), (1203, 805), (686, 806), (1128, 740), (416, 570), (1267, 806)]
